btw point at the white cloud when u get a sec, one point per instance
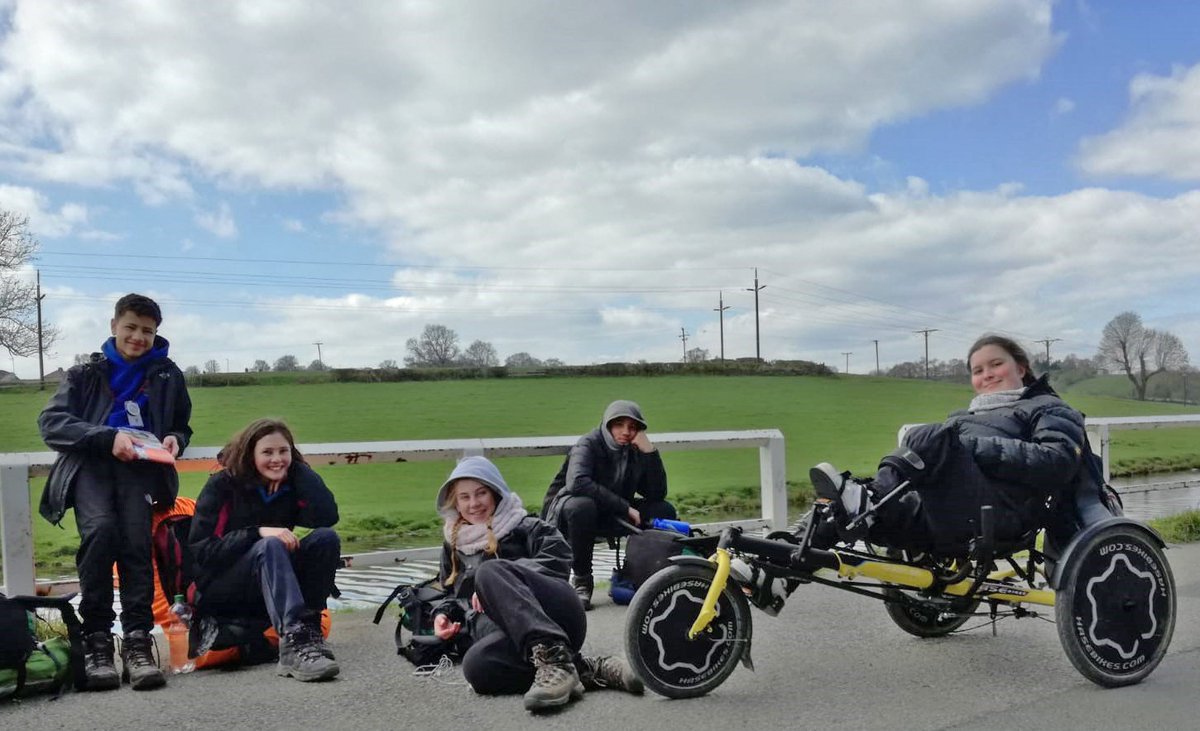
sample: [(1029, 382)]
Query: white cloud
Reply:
[(45, 222), (1160, 138), (1063, 106), (220, 222)]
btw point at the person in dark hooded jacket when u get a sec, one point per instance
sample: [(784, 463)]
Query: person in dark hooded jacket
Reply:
[(1014, 447), (94, 422), (249, 562), (613, 472), (508, 598)]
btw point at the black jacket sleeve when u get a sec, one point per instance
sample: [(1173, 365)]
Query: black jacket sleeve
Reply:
[(181, 426), (581, 472), (547, 552), (62, 423), (315, 504), (653, 485), (1051, 454), (215, 553)]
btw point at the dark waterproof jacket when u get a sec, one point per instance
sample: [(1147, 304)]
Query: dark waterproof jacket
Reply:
[(1026, 452), (532, 542), (590, 470), (73, 424), (229, 514)]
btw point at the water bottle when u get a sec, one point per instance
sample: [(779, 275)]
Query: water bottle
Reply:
[(678, 526), (177, 630)]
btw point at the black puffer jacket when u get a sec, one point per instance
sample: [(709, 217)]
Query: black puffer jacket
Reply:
[(1026, 452), (73, 424), (229, 514), (609, 474)]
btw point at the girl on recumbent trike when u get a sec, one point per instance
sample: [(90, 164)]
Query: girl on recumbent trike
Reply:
[(956, 512)]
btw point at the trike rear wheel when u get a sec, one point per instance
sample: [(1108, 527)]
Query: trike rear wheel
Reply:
[(660, 615), (1115, 605), (927, 617)]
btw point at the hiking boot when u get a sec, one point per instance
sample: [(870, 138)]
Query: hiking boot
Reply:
[(312, 626), (583, 586), (301, 658), (555, 680), (848, 498), (138, 667), (98, 664), (606, 671)]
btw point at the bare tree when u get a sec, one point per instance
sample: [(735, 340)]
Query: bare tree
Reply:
[(388, 365), (437, 346), (18, 298), (480, 354), (81, 358), (695, 355), (212, 366), (287, 363), (1140, 351), (260, 366), (317, 365), (191, 371), (522, 360), (553, 363)]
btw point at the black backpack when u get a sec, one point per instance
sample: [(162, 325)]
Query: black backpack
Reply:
[(414, 632), (176, 569)]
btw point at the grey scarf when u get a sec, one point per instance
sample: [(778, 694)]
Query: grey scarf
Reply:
[(995, 400)]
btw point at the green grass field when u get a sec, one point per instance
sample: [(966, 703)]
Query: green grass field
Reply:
[(850, 422)]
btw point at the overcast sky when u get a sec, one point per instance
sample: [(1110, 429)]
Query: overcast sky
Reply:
[(583, 180)]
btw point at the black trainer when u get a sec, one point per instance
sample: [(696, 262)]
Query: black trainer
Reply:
[(98, 665), (848, 498), (555, 680), (138, 667), (583, 586), (609, 671)]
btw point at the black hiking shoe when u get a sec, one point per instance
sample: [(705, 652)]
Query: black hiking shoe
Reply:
[(583, 586), (98, 664), (300, 658), (555, 680), (609, 671), (138, 667), (847, 497)]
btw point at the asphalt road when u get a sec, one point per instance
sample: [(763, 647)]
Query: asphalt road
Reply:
[(830, 660)]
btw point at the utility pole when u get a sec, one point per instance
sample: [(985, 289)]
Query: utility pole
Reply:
[(720, 309), (847, 371), (319, 352), (757, 339), (683, 336), (876, 356), (926, 332), (41, 348), (1047, 342)]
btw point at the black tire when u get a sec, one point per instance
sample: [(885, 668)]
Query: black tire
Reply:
[(656, 627), (1115, 606), (926, 617)]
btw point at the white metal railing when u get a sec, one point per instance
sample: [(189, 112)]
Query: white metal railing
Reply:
[(1099, 431), (16, 524)]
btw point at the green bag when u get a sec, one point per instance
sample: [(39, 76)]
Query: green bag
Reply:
[(46, 670)]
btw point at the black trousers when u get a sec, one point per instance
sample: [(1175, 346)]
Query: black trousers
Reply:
[(112, 512), (526, 608), (270, 581), (581, 522)]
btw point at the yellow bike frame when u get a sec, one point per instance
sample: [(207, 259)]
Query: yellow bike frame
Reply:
[(911, 577)]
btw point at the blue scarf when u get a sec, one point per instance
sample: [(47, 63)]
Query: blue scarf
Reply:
[(125, 380)]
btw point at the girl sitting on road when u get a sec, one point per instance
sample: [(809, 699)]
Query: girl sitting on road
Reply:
[(248, 559), (506, 574), (1015, 446)]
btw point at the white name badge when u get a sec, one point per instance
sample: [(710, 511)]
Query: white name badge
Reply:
[(134, 412)]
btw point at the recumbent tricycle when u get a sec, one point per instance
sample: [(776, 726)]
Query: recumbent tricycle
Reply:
[(1106, 576)]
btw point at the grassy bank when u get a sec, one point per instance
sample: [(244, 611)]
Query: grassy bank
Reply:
[(847, 421)]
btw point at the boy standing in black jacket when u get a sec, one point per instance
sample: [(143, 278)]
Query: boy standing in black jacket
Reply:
[(131, 383)]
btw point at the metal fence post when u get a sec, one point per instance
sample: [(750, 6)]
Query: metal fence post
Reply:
[(772, 471), (16, 529)]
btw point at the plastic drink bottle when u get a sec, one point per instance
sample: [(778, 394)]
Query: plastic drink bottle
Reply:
[(177, 630), (678, 526)]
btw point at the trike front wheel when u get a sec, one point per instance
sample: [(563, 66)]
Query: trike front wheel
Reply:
[(657, 625)]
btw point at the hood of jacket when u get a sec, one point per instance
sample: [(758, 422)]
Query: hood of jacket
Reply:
[(476, 468), (616, 410)]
